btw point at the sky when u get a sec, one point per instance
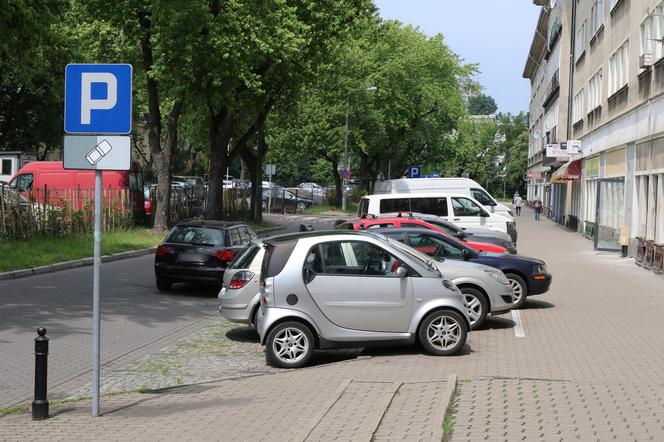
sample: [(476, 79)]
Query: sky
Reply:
[(496, 34)]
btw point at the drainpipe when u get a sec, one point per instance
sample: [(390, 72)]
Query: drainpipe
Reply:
[(570, 93)]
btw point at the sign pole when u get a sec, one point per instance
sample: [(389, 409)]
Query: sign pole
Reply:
[(95, 296)]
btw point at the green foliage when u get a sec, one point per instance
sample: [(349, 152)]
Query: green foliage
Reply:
[(482, 104)]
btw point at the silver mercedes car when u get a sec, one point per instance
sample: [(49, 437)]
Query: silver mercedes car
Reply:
[(352, 289)]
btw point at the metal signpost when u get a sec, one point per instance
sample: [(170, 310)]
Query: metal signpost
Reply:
[(97, 103), (270, 169)]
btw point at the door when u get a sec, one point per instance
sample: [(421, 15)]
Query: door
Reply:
[(610, 213), (356, 287), (466, 213)]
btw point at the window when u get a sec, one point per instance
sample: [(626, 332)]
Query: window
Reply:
[(430, 206), (244, 235), (432, 246), (658, 32), (352, 258), (23, 183), (483, 197), (580, 41), (618, 64), (395, 205), (596, 16), (244, 258), (577, 107), (234, 235), (6, 167), (465, 207), (646, 39), (413, 226), (196, 235), (595, 91), (613, 4), (363, 207)]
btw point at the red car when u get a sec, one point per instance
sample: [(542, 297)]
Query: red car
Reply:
[(375, 223)]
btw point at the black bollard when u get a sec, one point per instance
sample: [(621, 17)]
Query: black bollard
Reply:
[(40, 404)]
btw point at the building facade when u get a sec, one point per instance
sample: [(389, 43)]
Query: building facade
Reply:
[(615, 187)]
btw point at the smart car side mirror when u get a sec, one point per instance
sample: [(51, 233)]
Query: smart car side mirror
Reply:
[(402, 272), (466, 254)]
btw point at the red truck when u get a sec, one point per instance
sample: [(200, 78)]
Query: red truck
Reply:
[(49, 181)]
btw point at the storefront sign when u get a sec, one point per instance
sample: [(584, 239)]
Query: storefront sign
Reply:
[(564, 149), (534, 175)]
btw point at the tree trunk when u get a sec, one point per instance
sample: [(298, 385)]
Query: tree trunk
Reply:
[(164, 163), (364, 171), (220, 136), (337, 182)]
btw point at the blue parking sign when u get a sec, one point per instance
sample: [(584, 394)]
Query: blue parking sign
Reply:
[(98, 98), (414, 171)]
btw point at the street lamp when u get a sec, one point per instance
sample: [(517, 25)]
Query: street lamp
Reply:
[(346, 171)]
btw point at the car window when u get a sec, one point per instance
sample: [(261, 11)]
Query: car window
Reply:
[(234, 234), (413, 225), (196, 235), (395, 205), (433, 246), (363, 207), (431, 206), (355, 258), (244, 258), (244, 235), (23, 183), (379, 225), (443, 226), (465, 207), (483, 197)]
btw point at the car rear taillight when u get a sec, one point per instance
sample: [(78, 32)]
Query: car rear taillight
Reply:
[(224, 255), (240, 279), (163, 250)]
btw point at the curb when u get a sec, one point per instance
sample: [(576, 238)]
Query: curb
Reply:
[(445, 403), (50, 268), (22, 273)]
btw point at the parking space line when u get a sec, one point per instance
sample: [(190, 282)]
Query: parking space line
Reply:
[(518, 325)]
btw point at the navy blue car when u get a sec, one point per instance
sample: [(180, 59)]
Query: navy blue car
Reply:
[(528, 276)]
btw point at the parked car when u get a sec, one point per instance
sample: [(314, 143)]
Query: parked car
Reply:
[(347, 289), (527, 276), (240, 293), (312, 189), (283, 199), (485, 289), (399, 221), (199, 251), (482, 235), (464, 186), (462, 210)]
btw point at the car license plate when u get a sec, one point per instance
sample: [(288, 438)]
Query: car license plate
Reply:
[(190, 257)]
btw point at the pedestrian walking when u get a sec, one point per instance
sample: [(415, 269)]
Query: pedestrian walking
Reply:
[(518, 202), (537, 207)]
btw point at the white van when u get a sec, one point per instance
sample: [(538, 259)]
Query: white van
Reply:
[(463, 186), (462, 210)]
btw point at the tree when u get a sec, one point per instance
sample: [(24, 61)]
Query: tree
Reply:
[(481, 104)]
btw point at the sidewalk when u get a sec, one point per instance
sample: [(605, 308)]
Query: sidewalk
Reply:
[(588, 367)]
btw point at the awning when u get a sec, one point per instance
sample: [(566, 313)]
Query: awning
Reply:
[(570, 171)]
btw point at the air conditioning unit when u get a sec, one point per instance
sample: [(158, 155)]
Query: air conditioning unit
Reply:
[(645, 61)]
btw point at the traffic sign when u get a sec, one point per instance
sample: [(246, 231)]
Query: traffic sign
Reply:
[(101, 152), (345, 174), (414, 171), (98, 98), (270, 169)]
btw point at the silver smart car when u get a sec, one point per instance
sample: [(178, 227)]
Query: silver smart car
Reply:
[(239, 294), (351, 289)]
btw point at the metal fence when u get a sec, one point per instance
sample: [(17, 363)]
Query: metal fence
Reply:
[(59, 212)]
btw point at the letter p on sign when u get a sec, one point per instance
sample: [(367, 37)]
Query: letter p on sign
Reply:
[(98, 98)]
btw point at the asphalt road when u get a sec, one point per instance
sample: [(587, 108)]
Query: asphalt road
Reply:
[(136, 320)]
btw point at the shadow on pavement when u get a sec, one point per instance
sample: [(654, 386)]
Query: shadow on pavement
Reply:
[(496, 323), (242, 334), (532, 304)]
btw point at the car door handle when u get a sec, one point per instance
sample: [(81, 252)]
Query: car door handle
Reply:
[(457, 219)]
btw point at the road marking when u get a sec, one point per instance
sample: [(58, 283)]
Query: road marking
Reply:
[(518, 325)]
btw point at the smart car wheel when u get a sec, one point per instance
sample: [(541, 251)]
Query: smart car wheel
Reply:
[(519, 290), (163, 286), (477, 306), (289, 345), (443, 333), (301, 205)]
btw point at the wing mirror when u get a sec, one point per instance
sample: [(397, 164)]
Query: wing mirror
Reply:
[(460, 235), (402, 272), (466, 254), (306, 228)]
